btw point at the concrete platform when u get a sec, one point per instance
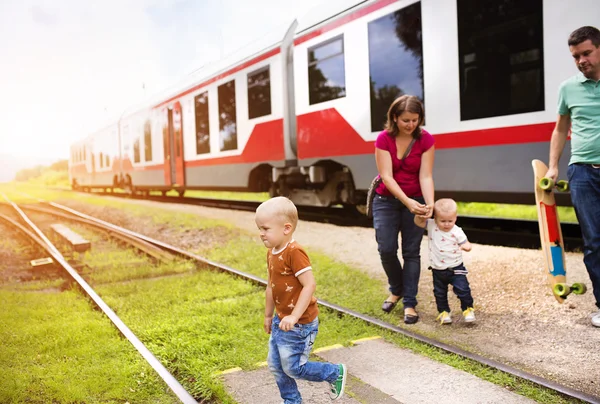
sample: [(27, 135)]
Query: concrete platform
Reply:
[(379, 373)]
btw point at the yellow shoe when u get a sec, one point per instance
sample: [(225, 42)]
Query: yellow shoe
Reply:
[(469, 315), (444, 318)]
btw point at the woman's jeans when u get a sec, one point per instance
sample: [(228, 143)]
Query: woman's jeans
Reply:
[(288, 359), (584, 182), (391, 218)]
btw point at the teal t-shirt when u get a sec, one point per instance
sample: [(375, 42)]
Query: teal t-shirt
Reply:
[(579, 97)]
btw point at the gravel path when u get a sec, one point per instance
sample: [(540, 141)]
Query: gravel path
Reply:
[(518, 320)]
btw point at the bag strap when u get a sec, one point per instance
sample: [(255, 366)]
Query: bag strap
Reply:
[(412, 142)]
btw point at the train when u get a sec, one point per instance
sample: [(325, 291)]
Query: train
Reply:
[(299, 116)]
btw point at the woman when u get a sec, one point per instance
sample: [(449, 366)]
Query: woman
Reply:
[(404, 154)]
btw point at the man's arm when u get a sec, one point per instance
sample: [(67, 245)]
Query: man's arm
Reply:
[(557, 144)]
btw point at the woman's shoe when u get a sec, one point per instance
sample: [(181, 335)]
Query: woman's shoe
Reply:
[(388, 306), (411, 318)]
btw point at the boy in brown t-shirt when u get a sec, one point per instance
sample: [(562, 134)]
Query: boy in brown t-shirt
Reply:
[(289, 293)]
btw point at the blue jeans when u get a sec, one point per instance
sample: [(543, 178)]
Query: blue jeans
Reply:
[(288, 359), (444, 277), (584, 182), (391, 218)]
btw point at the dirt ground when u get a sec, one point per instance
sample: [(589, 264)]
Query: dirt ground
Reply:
[(518, 320)]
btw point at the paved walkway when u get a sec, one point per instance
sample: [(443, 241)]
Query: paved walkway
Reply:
[(379, 373)]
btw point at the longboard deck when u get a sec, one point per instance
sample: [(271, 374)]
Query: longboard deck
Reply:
[(550, 232)]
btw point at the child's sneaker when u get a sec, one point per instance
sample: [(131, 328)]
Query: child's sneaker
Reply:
[(596, 320), (337, 387), (469, 315), (444, 318)]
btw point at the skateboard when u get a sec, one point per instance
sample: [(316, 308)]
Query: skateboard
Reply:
[(551, 234)]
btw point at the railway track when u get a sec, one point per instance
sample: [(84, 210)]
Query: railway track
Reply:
[(70, 214), (36, 235), (482, 230)]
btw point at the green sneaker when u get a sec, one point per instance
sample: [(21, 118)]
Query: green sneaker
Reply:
[(337, 387)]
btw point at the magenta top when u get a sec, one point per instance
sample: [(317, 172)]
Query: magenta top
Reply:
[(406, 173)]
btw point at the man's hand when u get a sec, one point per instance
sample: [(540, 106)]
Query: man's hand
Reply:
[(552, 173)]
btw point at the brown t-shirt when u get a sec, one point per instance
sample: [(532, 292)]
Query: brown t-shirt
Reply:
[(284, 268)]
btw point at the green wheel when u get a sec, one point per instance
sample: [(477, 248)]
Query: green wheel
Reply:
[(561, 289), (546, 184), (562, 186), (578, 288)]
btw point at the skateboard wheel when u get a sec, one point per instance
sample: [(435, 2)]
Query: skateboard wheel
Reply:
[(546, 184), (578, 288), (561, 289), (562, 186)]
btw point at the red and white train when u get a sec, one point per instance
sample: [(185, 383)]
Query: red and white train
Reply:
[(300, 117)]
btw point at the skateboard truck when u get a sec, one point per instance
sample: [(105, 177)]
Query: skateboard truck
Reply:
[(547, 184), (563, 290)]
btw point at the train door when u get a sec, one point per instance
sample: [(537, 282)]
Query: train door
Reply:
[(177, 120), (166, 129), (173, 146)]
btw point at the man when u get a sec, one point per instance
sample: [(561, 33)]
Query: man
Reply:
[(579, 110)]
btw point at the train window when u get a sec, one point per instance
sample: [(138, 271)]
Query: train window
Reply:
[(101, 160), (136, 150), (395, 60), (148, 141), (202, 125), (227, 116), (501, 59), (259, 93), (326, 71), (107, 162)]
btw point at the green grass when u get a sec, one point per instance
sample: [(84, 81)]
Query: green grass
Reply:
[(108, 261), (566, 214), (238, 196), (55, 348)]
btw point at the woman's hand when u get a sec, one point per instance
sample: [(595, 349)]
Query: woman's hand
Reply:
[(429, 213), (417, 208)]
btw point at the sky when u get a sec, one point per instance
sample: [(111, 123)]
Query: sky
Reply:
[(69, 66)]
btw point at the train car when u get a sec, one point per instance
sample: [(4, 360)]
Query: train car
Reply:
[(300, 117)]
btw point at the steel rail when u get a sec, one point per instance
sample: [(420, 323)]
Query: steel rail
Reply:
[(168, 378), (567, 391)]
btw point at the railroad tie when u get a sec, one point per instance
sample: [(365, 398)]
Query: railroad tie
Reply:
[(76, 241)]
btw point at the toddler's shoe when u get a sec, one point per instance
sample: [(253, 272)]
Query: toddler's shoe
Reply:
[(469, 315), (596, 320), (444, 318), (337, 387)]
